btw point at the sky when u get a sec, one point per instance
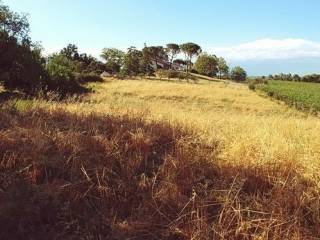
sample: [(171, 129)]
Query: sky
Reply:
[(264, 37)]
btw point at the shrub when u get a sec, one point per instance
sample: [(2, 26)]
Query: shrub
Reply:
[(61, 76), (252, 86), (311, 78), (120, 75), (21, 65), (238, 74), (161, 73), (87, 77), (253, 83)]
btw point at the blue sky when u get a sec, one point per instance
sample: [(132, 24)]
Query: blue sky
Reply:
[(265, 37)]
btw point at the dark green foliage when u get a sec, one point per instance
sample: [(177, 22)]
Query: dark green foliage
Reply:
[(62, 78), (23, 68), (296, 78), (146, 64), (311, 78), (156, 54), (83, 63), (71, 52), (96, 67), (21, 64), (132, 62), (87, 77), (190, 50), (238, 74), (286, 77), (172, 50)]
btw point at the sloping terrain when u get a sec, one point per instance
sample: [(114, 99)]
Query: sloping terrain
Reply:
[(159, 160)]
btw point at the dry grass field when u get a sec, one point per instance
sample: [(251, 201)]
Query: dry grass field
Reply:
[(149, 159)]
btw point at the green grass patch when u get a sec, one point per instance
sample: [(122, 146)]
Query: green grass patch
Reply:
[(299, 94)]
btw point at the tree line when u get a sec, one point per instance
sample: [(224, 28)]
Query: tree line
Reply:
[(136, 62), (23, 66), (293, 77)]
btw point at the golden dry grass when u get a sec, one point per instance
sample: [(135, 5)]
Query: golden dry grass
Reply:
[(250, 128), (154, 159)]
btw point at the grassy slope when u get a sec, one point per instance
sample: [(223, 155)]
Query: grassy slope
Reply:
[(300, 94), (152, 159)]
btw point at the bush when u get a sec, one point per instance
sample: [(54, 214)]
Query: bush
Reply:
[(161, 73), (238, 74), (311, 78), (252, 86), (253, 83), (62, 78), (87, 77), (120, 75), (21, 66)]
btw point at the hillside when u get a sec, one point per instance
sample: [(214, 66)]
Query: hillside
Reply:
[(148, 159)]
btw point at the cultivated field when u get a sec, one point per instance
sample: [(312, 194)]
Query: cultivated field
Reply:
[(148, 159), (302, 95)]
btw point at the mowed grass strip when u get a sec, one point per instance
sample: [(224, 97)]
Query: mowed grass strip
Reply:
[(299, 94)]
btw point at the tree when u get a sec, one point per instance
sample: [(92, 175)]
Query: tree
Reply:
[(223, 68), (190, 50), (132, 61), (14, 25), (60, 65), (71, 52), (172, 50), (296, 78), (182, 63), (21, 63), (61, 71), (238, 74), (145, 63), (206, 65), (96, 67), (156, 54), (114, 59)]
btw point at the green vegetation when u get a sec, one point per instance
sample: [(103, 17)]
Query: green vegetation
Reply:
[(172, 50), (293, 77), (151, 159), (299, 94), (190, 50), (238, 74), (207, 65), (23, 67)]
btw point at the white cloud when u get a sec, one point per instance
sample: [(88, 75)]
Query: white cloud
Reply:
[(269, 49)]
